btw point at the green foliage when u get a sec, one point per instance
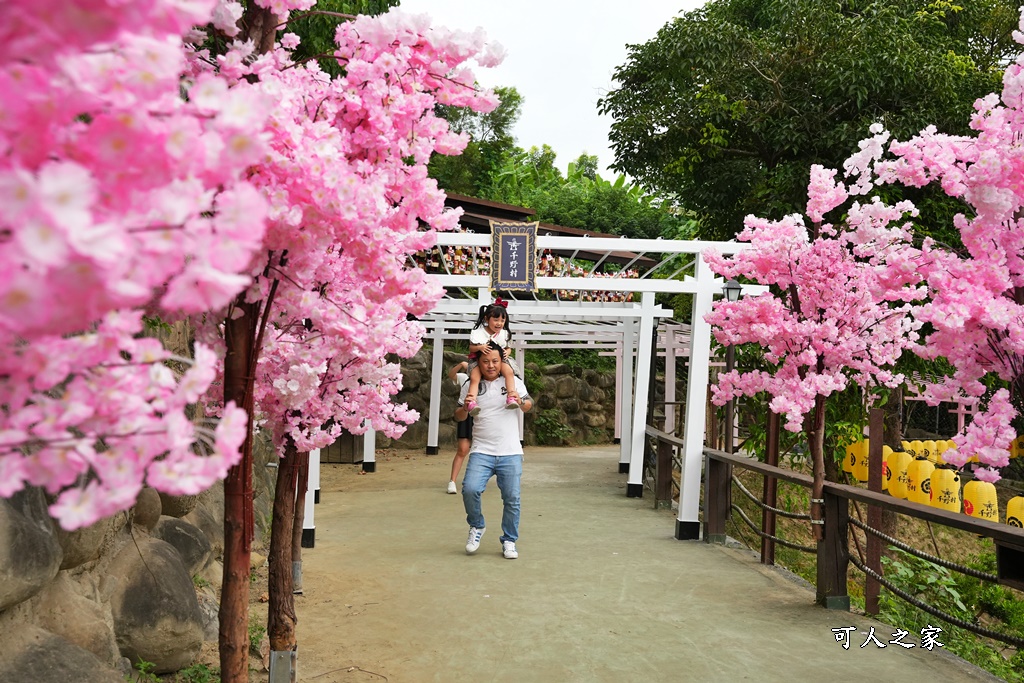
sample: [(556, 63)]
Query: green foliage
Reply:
[(957, 595), (577, 359), (200, 582), (491, 143), (145, 673), (256, 633), (729, 105), (550, 428), (197, 673)]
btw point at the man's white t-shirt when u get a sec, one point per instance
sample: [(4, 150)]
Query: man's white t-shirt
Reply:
[(495, 428)]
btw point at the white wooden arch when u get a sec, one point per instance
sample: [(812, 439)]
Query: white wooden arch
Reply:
[(626, 329)]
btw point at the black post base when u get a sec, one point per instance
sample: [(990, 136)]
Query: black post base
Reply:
[(316, 497), (308, 538), (616, 441), (687, 531), (369, 467), (634, 490), (623, 468), (433, 450)]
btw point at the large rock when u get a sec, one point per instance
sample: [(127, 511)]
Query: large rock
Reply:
[(30, 554), (156, 614), (62, 610), (148, 508), (32, 655), (177, 506), (82, 545), (187, 539), (209, 517)]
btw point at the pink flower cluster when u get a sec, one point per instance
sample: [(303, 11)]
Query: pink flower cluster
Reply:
[(118, 194), (850, 301)]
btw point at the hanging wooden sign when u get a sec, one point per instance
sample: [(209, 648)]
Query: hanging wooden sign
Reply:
[(513, 256)]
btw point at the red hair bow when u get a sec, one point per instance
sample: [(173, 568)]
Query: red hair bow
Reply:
[(501, 302)]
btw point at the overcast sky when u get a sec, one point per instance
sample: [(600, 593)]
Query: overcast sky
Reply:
[(561, 55)]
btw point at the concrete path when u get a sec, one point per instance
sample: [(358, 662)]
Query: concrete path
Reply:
[(601, 590)]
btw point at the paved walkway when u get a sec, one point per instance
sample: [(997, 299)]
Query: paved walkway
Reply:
[(601, 590)]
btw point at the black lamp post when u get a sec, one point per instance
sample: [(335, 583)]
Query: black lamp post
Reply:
[(732, 291)]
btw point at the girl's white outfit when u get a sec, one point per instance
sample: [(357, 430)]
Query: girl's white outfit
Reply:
[(480, 335)]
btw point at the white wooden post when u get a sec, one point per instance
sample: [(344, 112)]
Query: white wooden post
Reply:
[(618, 393), (436, 378), (369, 449), (312, 498), (688, 522), (635, 482), (626, 398)]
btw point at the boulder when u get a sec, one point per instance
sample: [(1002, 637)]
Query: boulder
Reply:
[(148, 508), (187, 539), (177, 506), (565, 386), (81, 545), (32, 655), (63, 611), (30, 555), (594, 419), (155, 610), (557, 369), (209, 517)]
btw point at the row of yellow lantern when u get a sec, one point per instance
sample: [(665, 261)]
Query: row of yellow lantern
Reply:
[(913, 475)]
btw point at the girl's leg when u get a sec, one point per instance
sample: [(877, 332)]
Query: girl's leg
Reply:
[(460, 455), (510, 384), (474, 385)]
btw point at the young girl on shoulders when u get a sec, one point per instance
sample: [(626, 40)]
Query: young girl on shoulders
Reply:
[(491, 325)]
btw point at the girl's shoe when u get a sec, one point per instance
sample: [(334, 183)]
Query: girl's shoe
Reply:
[(472, 408), (512, 403)]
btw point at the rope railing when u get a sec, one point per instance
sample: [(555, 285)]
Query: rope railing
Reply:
[(781, 541), (923, 555), (936, 612), (764, 506)]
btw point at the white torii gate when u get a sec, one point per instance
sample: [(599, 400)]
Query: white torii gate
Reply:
[(630, 326)]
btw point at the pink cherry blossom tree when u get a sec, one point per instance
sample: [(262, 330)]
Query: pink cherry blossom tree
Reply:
[(117, 196), (837, 311), (975, 304), (347, 189)]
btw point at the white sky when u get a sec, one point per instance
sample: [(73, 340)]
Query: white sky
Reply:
[(560, 57)]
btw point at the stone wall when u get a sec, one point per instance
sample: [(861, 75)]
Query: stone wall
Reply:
[(570, 407), (141, 585)]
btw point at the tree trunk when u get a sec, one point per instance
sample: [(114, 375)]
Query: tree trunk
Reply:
[(816, 444), (260, 27), (281, 617), (240, 336)]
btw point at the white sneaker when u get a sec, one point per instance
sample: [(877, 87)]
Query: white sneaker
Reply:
[(473, 542), (508, 549), (451, 487)]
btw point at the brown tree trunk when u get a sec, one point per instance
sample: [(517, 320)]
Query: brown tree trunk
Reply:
[(816, 444), (260, 27), (240, 335), (281, 616)]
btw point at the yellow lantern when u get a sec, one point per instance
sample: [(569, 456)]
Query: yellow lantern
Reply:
[(980, 500), (850, 458), (919, 474), (896, 466), (886, 452), (908, 448), (860, 465), (945, 489), (1015, 511), (930, 451)]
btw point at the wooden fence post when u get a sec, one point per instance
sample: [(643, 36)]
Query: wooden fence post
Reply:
[(770, 490), (833, 555), (716, 500), (872, 588), (663, 475)]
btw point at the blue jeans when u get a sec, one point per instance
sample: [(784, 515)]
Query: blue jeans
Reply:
[(479, 470)]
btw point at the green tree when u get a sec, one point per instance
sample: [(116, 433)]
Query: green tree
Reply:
[(491, 144), (729, 105)]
